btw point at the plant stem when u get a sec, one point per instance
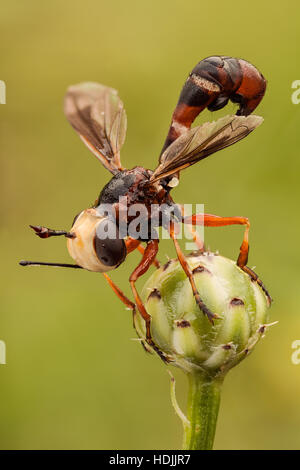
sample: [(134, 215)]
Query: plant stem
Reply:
[(203, 407)]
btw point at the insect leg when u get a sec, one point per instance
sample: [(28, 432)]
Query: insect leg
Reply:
[(196, 238), (142, 251), (210, 220), (121, 296), (130, 305), (189, 274), (145, 263), (133, 244)]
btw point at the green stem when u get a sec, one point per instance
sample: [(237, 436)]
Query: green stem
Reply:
[(203, 407)]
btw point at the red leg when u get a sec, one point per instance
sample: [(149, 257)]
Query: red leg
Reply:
[(148, 258), (133, 244), (120, 294), (210, 220), (196, 238), (125, 301), (142, 251), (189, 273)]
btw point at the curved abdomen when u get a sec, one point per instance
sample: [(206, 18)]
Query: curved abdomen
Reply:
[(211, 84)]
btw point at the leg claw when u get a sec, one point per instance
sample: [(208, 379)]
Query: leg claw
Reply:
[(205, 310)]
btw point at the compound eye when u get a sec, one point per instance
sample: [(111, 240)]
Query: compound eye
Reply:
[(110, 249)]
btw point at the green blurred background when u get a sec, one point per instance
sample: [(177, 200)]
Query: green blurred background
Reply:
[(74, 379)]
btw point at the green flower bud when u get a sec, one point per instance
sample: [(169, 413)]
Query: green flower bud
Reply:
[(182, 332)]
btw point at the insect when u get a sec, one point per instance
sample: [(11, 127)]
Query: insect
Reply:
[(97, 114)]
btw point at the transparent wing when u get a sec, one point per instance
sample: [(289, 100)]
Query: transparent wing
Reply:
[(202, 141), (97, 114)]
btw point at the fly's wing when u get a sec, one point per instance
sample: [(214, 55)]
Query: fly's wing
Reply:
[(202, 141), (97, 114)]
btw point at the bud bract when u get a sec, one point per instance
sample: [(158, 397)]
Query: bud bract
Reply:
[(180, 329)]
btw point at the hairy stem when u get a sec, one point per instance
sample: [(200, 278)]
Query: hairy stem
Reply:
[(202, 412)]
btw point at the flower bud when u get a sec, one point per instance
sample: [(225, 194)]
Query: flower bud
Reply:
[(180, 329)]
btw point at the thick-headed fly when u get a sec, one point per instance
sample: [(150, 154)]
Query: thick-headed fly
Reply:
[(98, 240)]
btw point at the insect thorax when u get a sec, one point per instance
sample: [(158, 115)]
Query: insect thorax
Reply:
[(124, 183)]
